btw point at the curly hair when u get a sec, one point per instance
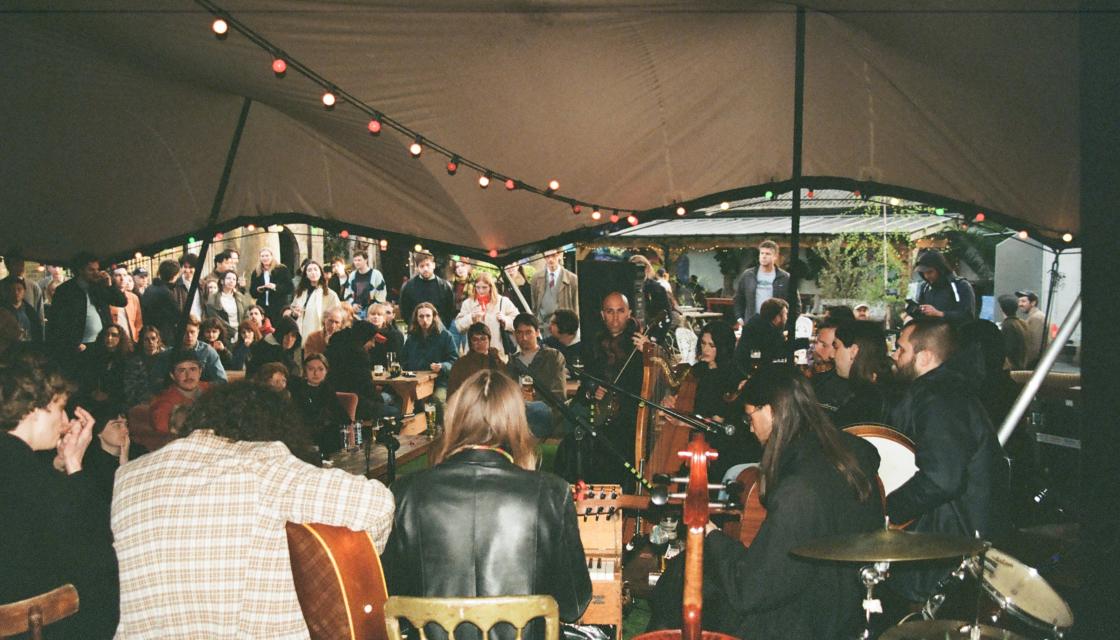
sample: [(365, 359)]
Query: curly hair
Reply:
[(248, 412), (29, 382)]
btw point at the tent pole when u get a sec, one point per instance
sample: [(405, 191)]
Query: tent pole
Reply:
[(215, 209), (795, 222)]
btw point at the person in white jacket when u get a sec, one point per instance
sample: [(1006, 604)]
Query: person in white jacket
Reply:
[(489, 307), (311, 299)]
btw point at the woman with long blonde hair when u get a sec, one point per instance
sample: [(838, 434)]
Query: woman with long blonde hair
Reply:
[(481, 521)]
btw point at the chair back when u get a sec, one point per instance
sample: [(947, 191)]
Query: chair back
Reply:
[(32, 614), (482, 612), (349, 403)]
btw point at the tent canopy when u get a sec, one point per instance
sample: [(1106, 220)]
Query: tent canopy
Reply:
[(118, 115)]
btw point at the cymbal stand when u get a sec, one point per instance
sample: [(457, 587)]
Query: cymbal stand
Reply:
[(871, 575)]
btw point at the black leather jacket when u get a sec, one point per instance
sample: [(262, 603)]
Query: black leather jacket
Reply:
[(478, 525)]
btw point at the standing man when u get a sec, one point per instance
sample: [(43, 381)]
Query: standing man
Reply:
[(199, 526), (128, 317), (364, 286), (80, 309), (554, 288), (159, 305), (943, 294), (1016, 335), (426, 286), (140, 279), (188, 264), (957, 451), (758, 284), (33, 293), (1036, 325)]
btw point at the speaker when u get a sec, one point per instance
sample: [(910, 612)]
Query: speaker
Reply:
[(597, 279)]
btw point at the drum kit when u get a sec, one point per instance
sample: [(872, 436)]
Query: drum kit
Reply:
[(1007, 599)]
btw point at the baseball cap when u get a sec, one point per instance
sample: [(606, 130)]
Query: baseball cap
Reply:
[(1028, 294), (139, 271), (862, 305)]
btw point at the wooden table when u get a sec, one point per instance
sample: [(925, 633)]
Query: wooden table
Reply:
[(354, 461), (410, 390)]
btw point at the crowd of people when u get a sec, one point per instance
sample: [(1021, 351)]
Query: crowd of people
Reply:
[(188, 539)]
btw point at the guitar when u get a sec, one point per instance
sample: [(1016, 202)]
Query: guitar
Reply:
[(339, 582)]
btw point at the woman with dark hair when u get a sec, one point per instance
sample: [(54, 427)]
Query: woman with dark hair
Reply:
[(429, 347), (287, 349), (815, 481), (315, 398), (146, 372), (104, 364), (228, 305), (481, 521), (312, 298), (861, 358), (249, 334), (55, 521), (271, 284), (213, 332)]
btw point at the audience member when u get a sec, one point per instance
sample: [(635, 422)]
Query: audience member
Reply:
[(34, 296), (462, 279), (55, 530), (335, 318), (479, 356), (80, 310), (23, 315), (364, 285), (111, 448), (563, 336), (140, 281), (287, 349), (389, 340), (211, 362), (1016, 334), (660, 307), (554, 288), (943, 294), (1036, 325), (545, 365), (248, 335), (315, 398), (758, 284), (228, 305), (220, 565), (831, 389), (489, 307), (188, 265), (213, 332), (429, 347), (337, 281), (103, 370), (129, 317), (257, 315), (271, 284), (483, 466), (274, 376), (838, 313), (426, 286), (167, 408), (862, 311), (159, 305), (149, 369), (312, 298), (348, 353)]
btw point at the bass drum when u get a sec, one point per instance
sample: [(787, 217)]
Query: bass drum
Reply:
[(896, 455), (1011, 596)]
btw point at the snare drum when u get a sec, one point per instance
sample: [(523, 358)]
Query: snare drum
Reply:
[(1014, 597)]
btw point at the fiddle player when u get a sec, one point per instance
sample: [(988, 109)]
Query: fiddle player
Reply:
[(816, 481), (615, 355)]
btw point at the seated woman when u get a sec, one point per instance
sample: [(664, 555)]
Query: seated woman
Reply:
[(110, 449), (56, 525), (273, 375), (716, 380), (489, 307), (248, 335), (389, 340), (315, 398), (446, 539), (481, 356), (429, 347), (103, 367), (146, 372), (815, 482), (213, 332), (862, 360)]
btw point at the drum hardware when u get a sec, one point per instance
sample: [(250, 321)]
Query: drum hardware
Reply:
[(947, 629), (871, 575)]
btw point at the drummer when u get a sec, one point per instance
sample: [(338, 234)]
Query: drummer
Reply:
[(816, 481)]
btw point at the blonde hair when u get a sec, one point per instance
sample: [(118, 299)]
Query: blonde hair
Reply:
[(488, 410), (487, 279)]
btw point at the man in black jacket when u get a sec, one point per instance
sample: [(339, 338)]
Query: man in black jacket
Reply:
[(158, 304), (80, 309), (943, 294), (426, 286), (762, 340), (953, 491)]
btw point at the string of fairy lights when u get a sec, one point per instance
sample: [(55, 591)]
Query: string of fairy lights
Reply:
[(333, 96)]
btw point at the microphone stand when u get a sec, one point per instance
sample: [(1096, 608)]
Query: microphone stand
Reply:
[(696, 423), (387, 437)]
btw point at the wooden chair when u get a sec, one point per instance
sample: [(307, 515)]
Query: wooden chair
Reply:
[(32, 614), (482, 612), (349, 403)]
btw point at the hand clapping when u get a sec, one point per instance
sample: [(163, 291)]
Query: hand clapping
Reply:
[(72, 447)]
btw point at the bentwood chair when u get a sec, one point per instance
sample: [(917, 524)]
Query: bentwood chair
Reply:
[(32, 614), (484, 613)]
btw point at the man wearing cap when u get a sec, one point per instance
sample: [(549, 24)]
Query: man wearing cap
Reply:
[(1036, 324), (943, 294), (140, 279), (862, 311)]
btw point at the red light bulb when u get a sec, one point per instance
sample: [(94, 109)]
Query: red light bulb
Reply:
[(374, 126), (493, 253), (344, 234), (980, 217), (576, 209), (632, 219), (279, 66), (452, 166), (614, 217), (510, 184)]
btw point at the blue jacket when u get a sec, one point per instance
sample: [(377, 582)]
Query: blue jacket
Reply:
[(420, 352)]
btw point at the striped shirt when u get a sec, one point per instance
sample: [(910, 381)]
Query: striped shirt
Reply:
[(200, 538)]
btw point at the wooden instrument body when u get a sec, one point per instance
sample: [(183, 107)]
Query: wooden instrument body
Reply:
[(897, 458), (339, 581), (599, 515)]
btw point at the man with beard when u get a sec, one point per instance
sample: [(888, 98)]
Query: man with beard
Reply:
[(831, 389), (614, 356), (957, 450)]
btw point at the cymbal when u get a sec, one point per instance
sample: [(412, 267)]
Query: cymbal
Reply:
[(945, 630), (889, 545)]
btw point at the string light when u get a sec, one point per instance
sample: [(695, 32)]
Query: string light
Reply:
[(811, 193), (139, 255), (724, 206), (328, 99), (493, 253), (632, 219), (452, 165), (681, 210), (596, 214), (416, 148), (510, 184), (484, 180), (939, 211), (419, 248), (344, 234), (894, 202), (191, 240), (279, 67), (374, 125), (220, 28), (1023, 235), (1067, 237), (614, 217), (218, 237), (980, 217), (769, 195), (251, 227), (384, 244), (576, 209), (553, 185)]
